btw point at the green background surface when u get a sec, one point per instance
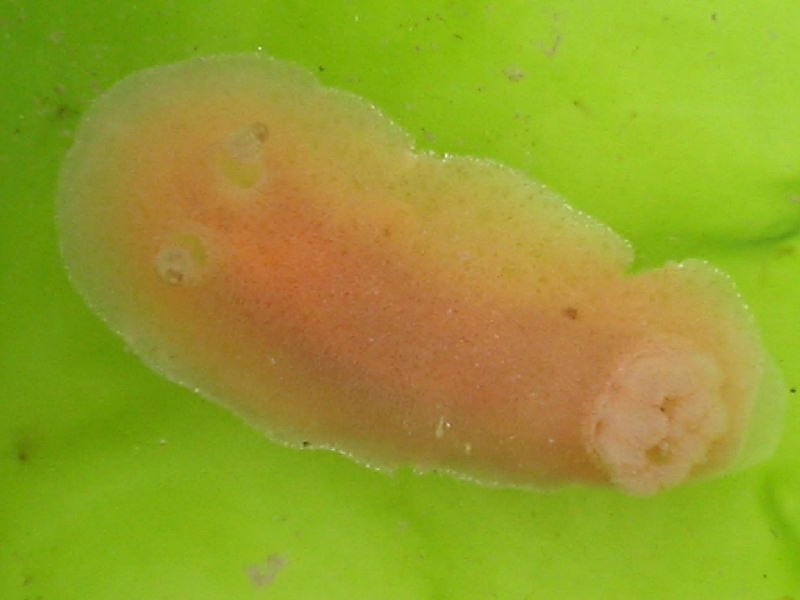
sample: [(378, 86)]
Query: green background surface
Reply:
[(676, 123)]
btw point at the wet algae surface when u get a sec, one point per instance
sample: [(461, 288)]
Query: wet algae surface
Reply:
[(675, 126)]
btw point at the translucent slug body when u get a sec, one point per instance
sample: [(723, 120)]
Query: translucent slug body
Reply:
[(281, 247)]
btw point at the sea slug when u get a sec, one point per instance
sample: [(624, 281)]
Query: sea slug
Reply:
[(282, 248)]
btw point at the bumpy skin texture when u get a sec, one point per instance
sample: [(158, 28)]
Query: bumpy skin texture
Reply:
[(280, 247)]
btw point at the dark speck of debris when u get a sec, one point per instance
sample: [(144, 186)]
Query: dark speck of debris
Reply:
[(553, 48), (793, 390), (263, 573), (513, 73), (23, 448), (306, 443), (571, 312), (62, 111), (580, 106), (320, 68), (713, 16)]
